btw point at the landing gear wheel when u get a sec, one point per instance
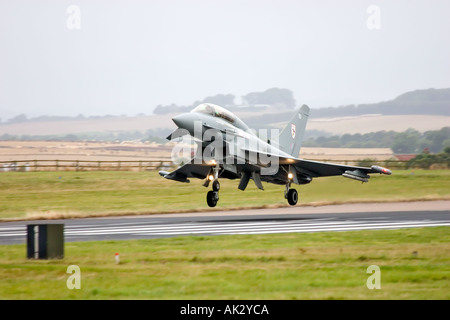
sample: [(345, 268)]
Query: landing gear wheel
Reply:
[(292, 197), (216, 185), (212, 197)]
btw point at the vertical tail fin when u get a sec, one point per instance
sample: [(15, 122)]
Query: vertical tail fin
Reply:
[(291, 137)]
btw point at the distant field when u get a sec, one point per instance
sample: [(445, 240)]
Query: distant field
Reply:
[(75, 194), (83, 151), (413, 264), (31, 151), (356, 124), (115, 124), (374, 123)]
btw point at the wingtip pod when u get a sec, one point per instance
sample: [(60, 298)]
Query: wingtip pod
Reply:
[(163, 173), (381, 170), (171, 176)]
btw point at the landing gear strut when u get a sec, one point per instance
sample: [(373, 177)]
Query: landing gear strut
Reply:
[(291, 195)]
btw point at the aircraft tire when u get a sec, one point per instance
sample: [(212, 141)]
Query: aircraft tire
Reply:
[(212, 197), (216, 185), (292, 197)]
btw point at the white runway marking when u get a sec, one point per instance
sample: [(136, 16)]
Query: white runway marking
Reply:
[(213, 228), (157, 227)]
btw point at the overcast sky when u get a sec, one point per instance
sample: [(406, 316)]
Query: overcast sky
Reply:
[(99, 57)]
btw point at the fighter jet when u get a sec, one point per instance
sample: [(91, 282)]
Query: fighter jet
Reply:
[(228, 149)]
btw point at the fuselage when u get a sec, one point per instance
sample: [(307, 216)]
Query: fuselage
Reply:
[(228, 149), (211, 123)]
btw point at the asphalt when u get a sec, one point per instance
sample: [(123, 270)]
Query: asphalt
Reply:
[(253, 221)]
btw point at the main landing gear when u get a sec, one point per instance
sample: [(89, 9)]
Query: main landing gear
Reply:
[(291, 195), (212, 197)]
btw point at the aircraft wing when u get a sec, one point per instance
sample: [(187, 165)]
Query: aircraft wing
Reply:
[(189, 170), (321, 169), (309, 168), (315, 169)]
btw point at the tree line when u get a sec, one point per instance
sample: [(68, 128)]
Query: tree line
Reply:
[(277, 97), (408, 142), (427, 160), (152, 135)]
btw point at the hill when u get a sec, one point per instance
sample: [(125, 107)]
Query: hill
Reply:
[(426, 102), (422, 110)]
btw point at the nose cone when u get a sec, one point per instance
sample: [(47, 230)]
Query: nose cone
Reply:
[(181, 120), (185, 121)]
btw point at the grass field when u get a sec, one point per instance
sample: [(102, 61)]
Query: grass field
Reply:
[(74, 194), (414, 264)]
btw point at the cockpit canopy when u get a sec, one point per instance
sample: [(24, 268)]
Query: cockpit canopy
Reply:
[(220, 112)]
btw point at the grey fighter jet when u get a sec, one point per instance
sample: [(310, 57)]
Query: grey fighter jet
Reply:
[(228, 149)]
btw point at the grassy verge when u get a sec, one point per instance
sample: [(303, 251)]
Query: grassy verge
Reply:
[(75, 194), (414, 264)]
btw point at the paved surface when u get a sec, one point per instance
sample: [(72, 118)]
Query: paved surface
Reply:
[(254, 221)]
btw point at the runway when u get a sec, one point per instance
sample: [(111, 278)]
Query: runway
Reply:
[(255, 221)]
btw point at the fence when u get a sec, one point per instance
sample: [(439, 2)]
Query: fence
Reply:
[(84, 165), (147, 165)]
